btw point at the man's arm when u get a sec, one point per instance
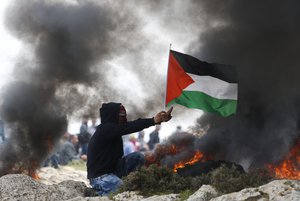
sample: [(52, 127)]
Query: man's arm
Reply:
[(140, 124)]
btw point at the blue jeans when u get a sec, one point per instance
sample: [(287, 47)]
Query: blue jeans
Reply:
[(53, 159), (108, 183), (129, 163)]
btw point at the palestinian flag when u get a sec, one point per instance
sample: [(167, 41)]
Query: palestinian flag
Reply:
[(198, 84)]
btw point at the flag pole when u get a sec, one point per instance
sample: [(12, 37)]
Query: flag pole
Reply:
[(165, 96)]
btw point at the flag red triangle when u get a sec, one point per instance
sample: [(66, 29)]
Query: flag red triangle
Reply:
[(177, 79)]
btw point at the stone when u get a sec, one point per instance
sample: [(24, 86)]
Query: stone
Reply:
[(14, 187), (205, 193), (277, 190)]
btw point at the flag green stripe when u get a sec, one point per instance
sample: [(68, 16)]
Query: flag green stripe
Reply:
[(199, 100)]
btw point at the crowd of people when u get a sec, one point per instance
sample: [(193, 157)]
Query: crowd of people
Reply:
[(74, 146)]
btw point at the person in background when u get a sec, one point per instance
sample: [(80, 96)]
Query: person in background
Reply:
[(106, 164), (67, 152), (84, 136), (52, 160), (92, 128), (154, 137), (128, 145), (141, 141), (2, 134)]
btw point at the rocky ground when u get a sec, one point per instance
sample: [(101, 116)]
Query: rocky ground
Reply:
[(66, 183), (51, 176)]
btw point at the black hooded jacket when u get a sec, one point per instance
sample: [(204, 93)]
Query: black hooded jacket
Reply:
[(106, 145)]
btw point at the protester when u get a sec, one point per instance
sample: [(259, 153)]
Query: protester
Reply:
[(2, 135), (52, 158), (105, 162), (67, 151), (154, 137), (84, 137), (141, 141), (92, 128), (128, 145)]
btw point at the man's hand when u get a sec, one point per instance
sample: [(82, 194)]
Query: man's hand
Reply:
[(168, 115), (163, 116), (83, 157)]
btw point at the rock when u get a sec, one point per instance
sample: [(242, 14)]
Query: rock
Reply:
[(205, 193), (22, 187), (128, 195), (169, 197), (15, 187), (282, 190), (279, 190), (105, 198), (133, 196), (68, 189)]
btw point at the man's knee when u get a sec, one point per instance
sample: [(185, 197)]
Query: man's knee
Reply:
[(107, 184), (137, 158)]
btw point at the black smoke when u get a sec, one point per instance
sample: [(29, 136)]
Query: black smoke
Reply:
[(260, 38), (62, 71)]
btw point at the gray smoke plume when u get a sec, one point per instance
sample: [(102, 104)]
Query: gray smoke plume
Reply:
[(63, 71), (260, 38), (75, 54)]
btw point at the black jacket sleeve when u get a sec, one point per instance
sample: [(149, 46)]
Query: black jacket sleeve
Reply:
[(130, 127)]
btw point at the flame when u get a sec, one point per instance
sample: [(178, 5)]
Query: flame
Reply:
[(163, 150), (34, 165), (32, 170), (289, 168), (197, 157)]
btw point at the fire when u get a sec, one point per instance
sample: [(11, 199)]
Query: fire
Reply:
[(197, 157), (290, 167), (163, 150), (32, 170)]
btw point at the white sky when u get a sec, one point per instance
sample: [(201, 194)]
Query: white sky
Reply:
[(10, 49)]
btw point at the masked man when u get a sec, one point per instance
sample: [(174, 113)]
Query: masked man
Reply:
[(105, 162)]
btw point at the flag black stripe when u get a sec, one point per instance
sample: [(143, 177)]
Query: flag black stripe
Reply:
[(195, 66)]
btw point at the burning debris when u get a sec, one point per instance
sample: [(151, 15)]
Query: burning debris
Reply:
[(179, 154), (261, 40), (289, 168)]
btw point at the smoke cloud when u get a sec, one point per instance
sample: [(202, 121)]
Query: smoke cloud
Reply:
[(67, 46), (76, 54), (261, 39)]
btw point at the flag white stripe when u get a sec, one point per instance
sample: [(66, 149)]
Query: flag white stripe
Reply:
[(213, 87)]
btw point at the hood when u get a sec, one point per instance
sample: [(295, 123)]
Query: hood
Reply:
[(109, 112)]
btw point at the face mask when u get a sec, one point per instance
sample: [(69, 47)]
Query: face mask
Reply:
[(122, 115)]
